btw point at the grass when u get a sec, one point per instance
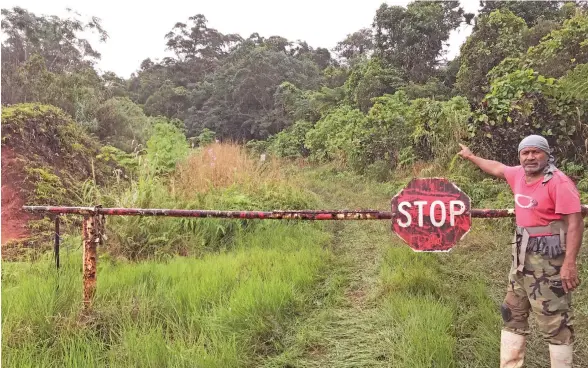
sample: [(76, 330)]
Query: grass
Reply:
[(175, 292), (440, 319), (223, 165), (219, 177), (397, 308), (273, 294), (224, 310), (419, 332)]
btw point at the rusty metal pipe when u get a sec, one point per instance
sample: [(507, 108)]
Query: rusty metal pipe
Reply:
[(93, 226), (275, 215), (57, 240), (263, 215), (89, 259)]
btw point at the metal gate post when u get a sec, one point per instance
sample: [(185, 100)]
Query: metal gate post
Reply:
[(57, 241), (93, 228)]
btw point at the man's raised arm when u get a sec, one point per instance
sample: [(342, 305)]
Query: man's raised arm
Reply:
[(494, 168)]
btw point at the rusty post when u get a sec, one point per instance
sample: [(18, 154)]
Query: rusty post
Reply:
[(57, 239), (92, 236)]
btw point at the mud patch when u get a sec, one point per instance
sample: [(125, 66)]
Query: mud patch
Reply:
[(14, 219)]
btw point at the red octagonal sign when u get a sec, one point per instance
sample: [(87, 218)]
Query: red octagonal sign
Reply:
[(431, 214)]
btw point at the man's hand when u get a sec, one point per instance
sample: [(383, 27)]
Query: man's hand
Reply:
[(465, 152), (569, 276)]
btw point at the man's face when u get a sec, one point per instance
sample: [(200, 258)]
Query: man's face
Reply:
[(533, 160)]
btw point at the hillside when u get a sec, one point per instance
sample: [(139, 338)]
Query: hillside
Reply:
[(47, 158)]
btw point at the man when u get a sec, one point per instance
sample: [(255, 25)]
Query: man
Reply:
[(547, 240)]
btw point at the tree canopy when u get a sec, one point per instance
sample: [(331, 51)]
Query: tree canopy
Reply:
[(384, 96)]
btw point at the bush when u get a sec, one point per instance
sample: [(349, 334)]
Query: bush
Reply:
[(289, 143), (522, 103), (206, 137), (218, 177), (165, 148), (335, 135), (123, 124), (438, 127)]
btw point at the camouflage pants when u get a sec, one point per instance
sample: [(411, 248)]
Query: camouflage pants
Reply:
[(538, 288)]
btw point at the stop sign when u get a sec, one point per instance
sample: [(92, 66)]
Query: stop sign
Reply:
[(431, 214)]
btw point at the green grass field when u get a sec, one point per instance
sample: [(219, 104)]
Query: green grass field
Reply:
[(224, 310), (334, 294)]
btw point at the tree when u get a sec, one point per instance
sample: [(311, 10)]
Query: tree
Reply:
[(575, 84), (448, 72), (412, 38), (498, 35), (562, 49), (199, 50), (335, 76), (309, 105), (355, 45), (169, 101), (45, 59), (524, 102), (238, 100), (275, 43), (122, 124), (532, 12), (78, 93), (433, 89), (197, 41), (369, 79), (58, 41), (533, 35), (321, 57), (115, 86)]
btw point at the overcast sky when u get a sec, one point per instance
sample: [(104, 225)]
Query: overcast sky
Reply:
[(137, 31)]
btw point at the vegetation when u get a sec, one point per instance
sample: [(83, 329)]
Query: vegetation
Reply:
[(221, 310), (262, 123)]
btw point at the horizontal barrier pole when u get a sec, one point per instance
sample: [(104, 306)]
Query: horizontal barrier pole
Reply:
[(269, 215), (93, 226)]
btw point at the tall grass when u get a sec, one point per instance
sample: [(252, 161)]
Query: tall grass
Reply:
[(199, 292), (224, 310), (439, 318), (216, 177), (421, 322), (223, 165)]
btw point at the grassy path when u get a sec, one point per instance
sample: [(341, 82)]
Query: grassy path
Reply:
[(384, 306), (344, 332)]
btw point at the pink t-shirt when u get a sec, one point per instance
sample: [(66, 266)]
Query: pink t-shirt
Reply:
[(537, 204)]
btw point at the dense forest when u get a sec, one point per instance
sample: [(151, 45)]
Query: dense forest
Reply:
[(384, 97)]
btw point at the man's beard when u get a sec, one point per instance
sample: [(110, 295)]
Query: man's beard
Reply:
[(536, 168)]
